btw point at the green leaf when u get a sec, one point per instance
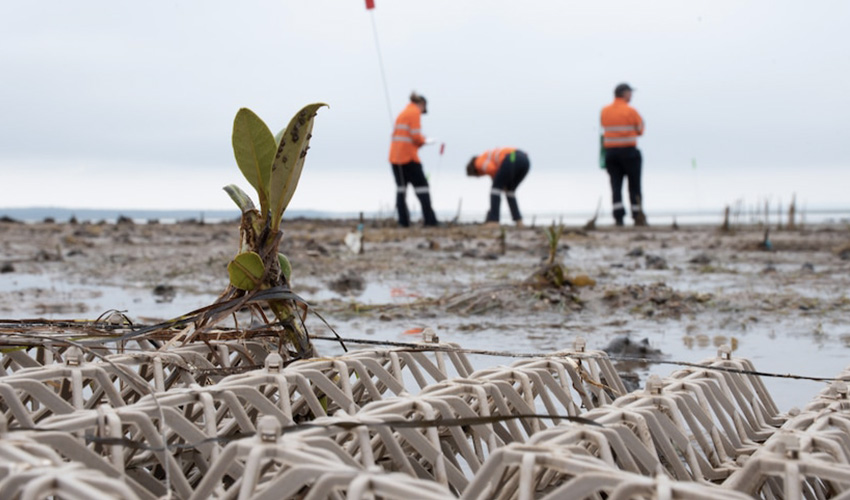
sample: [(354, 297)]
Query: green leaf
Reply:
[(254, 148), (293, 143), (246, 270), (242, 200), (285, 266)]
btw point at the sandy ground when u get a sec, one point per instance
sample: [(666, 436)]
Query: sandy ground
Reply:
[(685, 290)]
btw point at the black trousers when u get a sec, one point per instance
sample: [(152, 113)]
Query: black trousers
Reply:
[(624, 163), (511, 172), (412, 173)]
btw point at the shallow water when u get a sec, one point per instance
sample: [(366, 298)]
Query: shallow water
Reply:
[(811, 346), (66, 300)]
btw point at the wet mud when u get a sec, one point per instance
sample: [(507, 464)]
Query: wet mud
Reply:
[(686, 291)]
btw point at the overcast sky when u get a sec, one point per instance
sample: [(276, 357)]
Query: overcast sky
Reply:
[(111, 104)]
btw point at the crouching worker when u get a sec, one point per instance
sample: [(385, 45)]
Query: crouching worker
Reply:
[(507, 167)]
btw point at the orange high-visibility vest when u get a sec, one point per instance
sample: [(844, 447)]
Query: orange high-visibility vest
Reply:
[(488, 163), (407, 136), (621, 124)]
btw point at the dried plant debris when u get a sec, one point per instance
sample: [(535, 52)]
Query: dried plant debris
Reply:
[(657, 299)]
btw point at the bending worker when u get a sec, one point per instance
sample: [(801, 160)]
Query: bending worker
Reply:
[(404, 157), (508, 167), (621, 126)]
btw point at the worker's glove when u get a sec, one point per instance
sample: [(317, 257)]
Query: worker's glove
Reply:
[(430, 140)]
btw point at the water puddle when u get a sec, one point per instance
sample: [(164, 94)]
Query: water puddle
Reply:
[(51, 297)]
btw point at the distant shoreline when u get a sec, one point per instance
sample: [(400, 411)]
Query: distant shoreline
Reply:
[(685, 217), (60, 214)]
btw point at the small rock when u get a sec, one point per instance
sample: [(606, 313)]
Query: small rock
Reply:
[(807, 304), (808, 267), (313, 246), (470, 253), (844, 255), (656, 262), (45, 256), (348, 283), (625, 346), (702, 259), (7, 268), (769, 269), (636, 252), (164, 293)]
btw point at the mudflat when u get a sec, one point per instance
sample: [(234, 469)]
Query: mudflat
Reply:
[(779, 299)]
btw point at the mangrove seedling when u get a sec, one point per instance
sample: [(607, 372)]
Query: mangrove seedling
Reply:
[(553, 237), (259, 274), (552, 273)]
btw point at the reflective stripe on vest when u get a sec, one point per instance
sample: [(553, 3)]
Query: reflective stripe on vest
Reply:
[(621, 140), (492, 155)]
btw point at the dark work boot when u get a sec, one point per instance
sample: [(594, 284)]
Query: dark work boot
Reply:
[(640, 219), (618, 221)]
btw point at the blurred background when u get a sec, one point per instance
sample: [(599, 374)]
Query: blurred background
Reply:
[(115, 105)]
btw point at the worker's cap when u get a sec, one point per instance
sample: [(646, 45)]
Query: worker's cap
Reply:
[(419, 99), (622, 89)]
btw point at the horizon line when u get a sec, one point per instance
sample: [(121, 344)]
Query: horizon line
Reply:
[(47, 211)]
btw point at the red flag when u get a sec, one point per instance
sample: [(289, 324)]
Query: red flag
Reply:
[(442, 147), (370, 4)]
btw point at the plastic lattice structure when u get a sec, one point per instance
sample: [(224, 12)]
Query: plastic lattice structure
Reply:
[(226, 419)]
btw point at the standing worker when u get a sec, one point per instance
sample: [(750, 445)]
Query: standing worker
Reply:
[(508, 167), (622, 125), (404, 157)]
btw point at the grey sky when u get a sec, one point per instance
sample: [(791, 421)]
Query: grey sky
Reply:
[(128, 102)]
